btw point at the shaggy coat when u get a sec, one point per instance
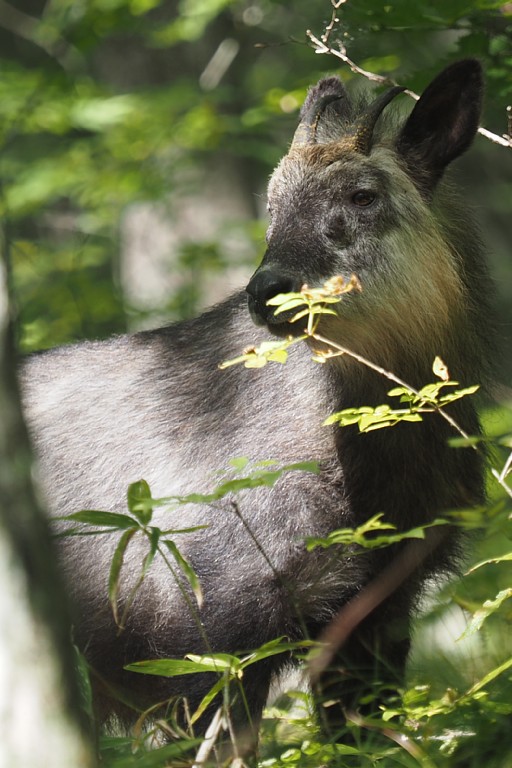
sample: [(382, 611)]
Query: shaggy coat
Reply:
[(356, 194)]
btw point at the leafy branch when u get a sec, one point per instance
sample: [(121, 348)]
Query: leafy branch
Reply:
[(418, 705), (137, 523), (315, 303), (427, 400), (365, 535), (311, 305), (229, 667), (432, 398)]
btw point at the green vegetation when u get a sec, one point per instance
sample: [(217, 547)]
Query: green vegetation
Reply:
[(110, 106)]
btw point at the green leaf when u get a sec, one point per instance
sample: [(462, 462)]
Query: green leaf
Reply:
[(217, 662), (258, 479), (140, 502), (347, 416), (186, 569), (112, 520), (255, 362), (165, 667), (286, 298), (154, 535), (318, 311), (239, 463), (303, 466), (430, 392), (208, 698), (267, 351), (369, 419), (411, 417), (154, 538), (275, 648), (285, 306), (175, 531), (487, 609), (192, 665), (496, 672), (499, 559), (399, 391), (445, 399), (364, 535), (279, 356), (300, 315), (115, 571), (465, 442)]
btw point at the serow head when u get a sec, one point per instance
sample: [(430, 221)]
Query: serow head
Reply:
[(352, 183)]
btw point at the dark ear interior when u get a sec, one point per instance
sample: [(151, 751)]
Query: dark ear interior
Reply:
[(444, 121)]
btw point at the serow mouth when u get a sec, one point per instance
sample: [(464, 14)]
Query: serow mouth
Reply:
[(280, 324)]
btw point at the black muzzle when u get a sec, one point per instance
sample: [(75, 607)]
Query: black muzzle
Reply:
[(264, 285)]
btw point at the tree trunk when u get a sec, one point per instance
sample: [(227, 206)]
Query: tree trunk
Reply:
[(40, 718)]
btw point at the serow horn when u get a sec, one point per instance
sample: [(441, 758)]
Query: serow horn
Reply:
[(363, 131)]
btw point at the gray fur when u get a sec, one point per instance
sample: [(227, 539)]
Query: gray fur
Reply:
[(155, 405)]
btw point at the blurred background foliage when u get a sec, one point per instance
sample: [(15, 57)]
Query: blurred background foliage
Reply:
[(136, 138)]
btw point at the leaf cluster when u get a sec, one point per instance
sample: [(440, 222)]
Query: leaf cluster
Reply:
[(137, 523)]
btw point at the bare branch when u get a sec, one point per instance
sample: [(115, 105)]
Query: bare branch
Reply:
[(321, 46), (207, 745), (336, 4), (373, 595), (504, 141)]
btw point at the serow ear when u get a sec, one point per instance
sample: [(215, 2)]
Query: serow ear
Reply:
[(443, 123), (327, 97), (328, 90)]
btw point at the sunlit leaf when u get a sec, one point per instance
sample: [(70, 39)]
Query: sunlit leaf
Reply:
[(487, 609), (498, 559), (440, 369), (193, 664), (112, 520)]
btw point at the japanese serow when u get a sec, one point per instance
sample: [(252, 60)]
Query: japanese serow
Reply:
[(361, 193)]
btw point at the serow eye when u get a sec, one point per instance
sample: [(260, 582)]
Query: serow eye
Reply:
[(363, 198)]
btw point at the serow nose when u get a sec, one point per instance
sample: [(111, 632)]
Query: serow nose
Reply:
[(264, 285)]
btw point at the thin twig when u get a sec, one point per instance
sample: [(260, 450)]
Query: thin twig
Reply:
[(392, 377), (508, 466), (373, 595), (321, 47), (504, 141), (501, 480), (210, 738), (336, 4), (340, 350)]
